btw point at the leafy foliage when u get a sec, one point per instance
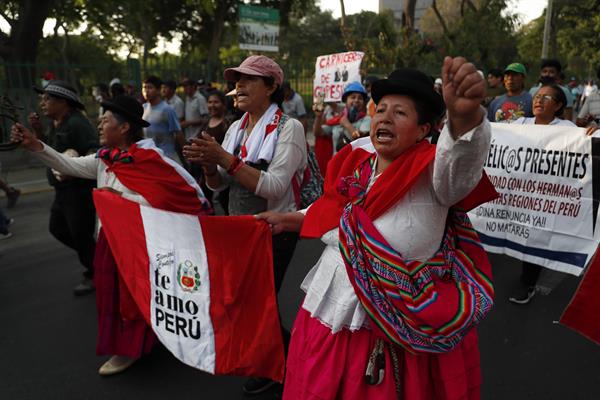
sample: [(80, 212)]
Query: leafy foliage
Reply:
[(578, 34), (482, 31), (577, 30)]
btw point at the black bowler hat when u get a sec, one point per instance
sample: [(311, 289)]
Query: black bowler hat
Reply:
[(63, 90), (412, 83), (127, 107)]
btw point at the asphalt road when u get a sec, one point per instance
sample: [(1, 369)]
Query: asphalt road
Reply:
[(47, 336)]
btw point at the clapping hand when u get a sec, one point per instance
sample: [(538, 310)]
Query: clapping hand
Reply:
[(206, 151)]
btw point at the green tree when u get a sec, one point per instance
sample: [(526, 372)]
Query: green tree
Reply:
[(482, 30), (138, 24), (377, 36), (89, 61), (310, 36), (213, 26), (19, 46), (578, 33)]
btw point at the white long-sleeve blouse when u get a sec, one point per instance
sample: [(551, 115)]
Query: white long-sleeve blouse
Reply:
[(414, 226)]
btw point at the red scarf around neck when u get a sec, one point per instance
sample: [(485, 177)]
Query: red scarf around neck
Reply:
[(324, 214)]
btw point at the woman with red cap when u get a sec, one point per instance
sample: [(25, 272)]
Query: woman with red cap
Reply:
[(391, 304), (262, 160)]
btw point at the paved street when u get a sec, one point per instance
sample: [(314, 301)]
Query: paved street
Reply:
[(47, 337)]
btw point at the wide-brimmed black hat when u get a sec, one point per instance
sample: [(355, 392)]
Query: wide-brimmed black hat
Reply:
[(412, 83), (63, 90), (127, 107)]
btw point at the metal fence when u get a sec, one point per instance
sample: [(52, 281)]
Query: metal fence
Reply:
[(17, 80)]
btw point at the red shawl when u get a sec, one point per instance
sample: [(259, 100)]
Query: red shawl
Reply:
[(390, 187)]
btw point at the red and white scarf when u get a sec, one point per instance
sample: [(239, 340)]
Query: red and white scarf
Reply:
[(261, 142)]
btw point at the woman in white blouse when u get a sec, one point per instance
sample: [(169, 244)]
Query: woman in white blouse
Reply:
[(392, 193), (261, 161), (124, 149)]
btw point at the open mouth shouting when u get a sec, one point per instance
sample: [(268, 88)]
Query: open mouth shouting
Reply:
[(384, 135)]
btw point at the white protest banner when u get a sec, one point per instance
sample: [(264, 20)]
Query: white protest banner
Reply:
[(333, 72), (547, 210)]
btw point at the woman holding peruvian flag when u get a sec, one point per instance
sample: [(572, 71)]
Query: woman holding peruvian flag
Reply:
[(391, 305), (137, 170)]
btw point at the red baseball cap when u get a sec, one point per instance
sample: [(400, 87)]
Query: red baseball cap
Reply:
[(256, 66)]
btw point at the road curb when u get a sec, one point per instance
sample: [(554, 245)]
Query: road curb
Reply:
[(25, 192)]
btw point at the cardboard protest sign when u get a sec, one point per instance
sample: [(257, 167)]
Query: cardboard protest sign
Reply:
[(333, 72)]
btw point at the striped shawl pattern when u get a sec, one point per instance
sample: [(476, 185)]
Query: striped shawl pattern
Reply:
[(425, 307)]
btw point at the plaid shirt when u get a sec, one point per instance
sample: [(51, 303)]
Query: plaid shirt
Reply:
[(591, 106)]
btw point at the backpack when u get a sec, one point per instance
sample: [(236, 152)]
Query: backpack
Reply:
[(310, 188)]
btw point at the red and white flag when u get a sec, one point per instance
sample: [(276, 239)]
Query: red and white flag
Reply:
[(204, 284), (582, 313)]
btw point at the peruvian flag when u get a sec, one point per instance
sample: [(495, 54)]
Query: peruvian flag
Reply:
[(583, 312), (204, 284)]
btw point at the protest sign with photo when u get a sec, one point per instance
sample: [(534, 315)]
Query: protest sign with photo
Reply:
[(333, 72), (259, 28), (548, 205)]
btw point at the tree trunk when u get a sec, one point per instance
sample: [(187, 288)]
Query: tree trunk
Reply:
[(218, 24), (344, 28), (19, 50), (146, 41), (62, 46), (440, 19), (408, 15), (547, 30), (554, 24)]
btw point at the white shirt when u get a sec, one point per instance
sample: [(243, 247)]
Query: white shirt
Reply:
[(289, 159), (195, 108), (589, 89), (555, 121), (414, 226), (176, 104), (591, 106), (294, 107), (87, 167)]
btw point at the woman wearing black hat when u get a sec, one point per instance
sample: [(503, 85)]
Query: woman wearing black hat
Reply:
[(390, 304), (122, 166)]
